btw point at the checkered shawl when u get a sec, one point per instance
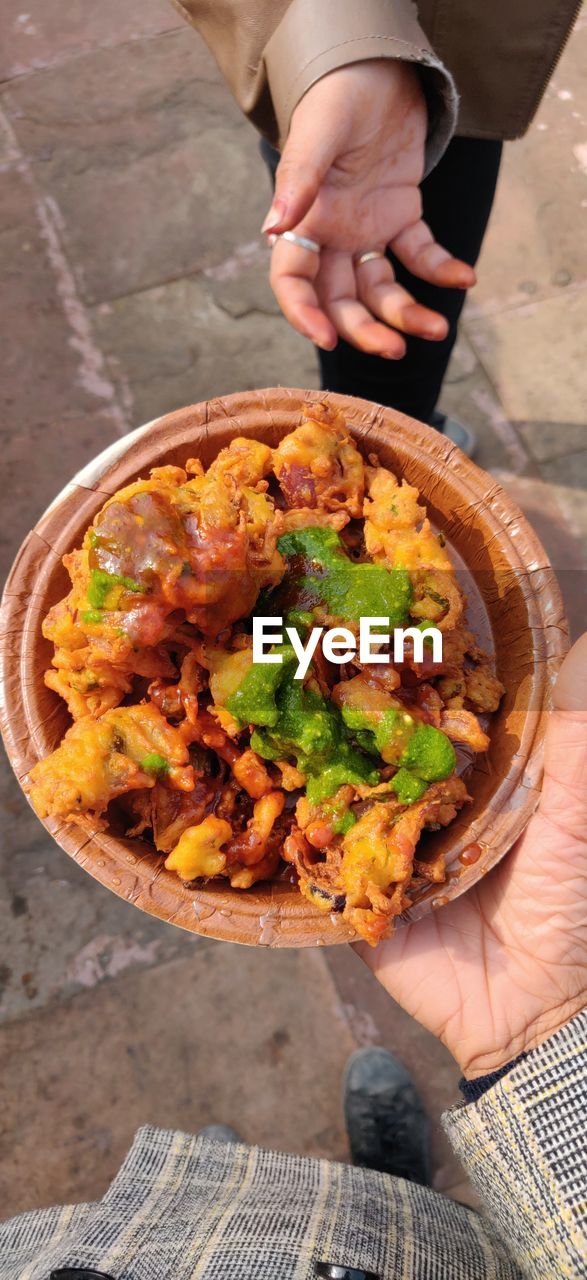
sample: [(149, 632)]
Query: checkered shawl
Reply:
[(184, 1208)]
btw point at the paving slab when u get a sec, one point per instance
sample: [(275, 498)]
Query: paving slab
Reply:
[(50, 32), (38, 459), (548, 440), (50, 365), (525, 351), (61, 931), (567, 479), (152, 167), (7, 152), (178, 343), (247, 1037), (533, 248), (56, 403), (554, 439)]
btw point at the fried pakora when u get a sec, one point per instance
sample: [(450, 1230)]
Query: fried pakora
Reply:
[(228, 766)]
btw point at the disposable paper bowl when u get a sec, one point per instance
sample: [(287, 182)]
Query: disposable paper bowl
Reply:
[(515, 610)]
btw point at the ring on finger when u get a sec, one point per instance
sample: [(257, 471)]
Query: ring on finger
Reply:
[(303, 242), (368, 256)]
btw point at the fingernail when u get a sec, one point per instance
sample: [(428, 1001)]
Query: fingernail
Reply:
[(276, 215), (324, 346), (391, 355)]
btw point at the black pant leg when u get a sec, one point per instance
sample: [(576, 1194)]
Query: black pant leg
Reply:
[(457, 198)]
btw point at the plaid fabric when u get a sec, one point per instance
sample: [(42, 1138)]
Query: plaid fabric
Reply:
[(184, 1208), (524, 1145)]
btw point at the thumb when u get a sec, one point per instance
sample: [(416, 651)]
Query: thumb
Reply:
[(307, 157), (564, 795), (570, 692)]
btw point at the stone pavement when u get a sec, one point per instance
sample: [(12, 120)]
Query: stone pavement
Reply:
[(135, 281)]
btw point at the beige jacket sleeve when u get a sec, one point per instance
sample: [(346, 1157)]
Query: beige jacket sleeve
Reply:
[(271, 52)]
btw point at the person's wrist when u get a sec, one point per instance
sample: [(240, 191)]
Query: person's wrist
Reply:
[(375, 81), (486, 1055)]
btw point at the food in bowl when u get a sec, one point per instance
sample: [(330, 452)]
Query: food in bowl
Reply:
[(231, 766)]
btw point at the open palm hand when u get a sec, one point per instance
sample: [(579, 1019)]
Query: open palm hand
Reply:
[(499, 970), (349, 180)]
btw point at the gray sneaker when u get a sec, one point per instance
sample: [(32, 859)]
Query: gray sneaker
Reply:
[(386, 1123), (456, 431)]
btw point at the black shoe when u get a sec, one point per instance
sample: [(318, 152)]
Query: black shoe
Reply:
[(386, 1123)]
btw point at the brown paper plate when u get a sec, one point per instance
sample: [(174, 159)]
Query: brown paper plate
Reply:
[(515, 609)]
